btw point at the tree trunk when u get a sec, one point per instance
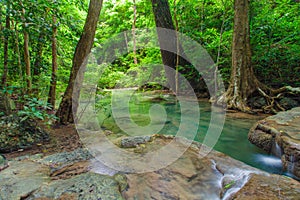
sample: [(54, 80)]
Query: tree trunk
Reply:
[(39, 56), (216, 80), (163, 19), (5, 48), (243, 82), (168, 40), (177, 49), (17, 51), (69, 103), (26, 53), (52, 91), (133, 33)]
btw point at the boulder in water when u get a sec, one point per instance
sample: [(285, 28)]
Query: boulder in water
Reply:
[(280, 136)]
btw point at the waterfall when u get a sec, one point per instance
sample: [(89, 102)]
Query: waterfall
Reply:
[(276, 149), (291, 164)]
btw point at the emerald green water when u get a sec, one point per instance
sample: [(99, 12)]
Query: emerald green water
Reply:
[(232, 141)]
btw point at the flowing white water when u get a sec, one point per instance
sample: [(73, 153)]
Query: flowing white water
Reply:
[(276, 149)]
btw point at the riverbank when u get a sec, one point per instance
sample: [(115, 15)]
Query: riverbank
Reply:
[(77, 175)]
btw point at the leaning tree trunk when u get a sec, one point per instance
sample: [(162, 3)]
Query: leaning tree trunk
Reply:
[(169, 40), (163, 19), (83, 48)]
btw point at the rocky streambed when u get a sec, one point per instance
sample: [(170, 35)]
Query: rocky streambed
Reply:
[(280, 135), (77, 175)]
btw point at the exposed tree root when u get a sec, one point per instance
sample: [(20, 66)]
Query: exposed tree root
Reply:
[(271, 96)]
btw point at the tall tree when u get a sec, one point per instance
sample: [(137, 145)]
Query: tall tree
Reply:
[(83, 48), (52, 91), (243, 82), (163, 19), (5, 50), (26, 51), (133, 33)]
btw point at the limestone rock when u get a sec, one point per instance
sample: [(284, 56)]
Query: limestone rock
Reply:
[(21, 178), (214, 176), (3, 162), (280, 135), (274, 187), (59, 176), (85, 186), (288, 103), (200, 173), (130, 142), (261, 139)]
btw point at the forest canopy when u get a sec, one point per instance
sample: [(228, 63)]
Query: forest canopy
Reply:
[(39, 37)]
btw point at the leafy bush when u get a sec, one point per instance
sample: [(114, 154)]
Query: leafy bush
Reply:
[(36, 109)]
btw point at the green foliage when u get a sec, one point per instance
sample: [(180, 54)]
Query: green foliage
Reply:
[(275, 41), (229, 185), (8, 90), (36, 109), (103, 106), (274, 30)]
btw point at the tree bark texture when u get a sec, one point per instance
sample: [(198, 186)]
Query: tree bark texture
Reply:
[(163, 19), (5, 47), (133, 33), (26, 53), (243, 81), (52, 91), (69, 102), (168, 40)]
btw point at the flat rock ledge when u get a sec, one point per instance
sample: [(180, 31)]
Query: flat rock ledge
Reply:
[(198, 174), (280, 135)]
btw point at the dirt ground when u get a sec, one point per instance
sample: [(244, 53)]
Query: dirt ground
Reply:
[(62, 138)]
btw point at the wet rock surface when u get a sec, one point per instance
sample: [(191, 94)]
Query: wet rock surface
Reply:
[(280, 135), (197, 174), (273, 187), (85, 186), (3, 163), (16, 133), (66, 175)]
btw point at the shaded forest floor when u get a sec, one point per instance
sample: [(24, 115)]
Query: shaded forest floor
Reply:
[(62, 139)]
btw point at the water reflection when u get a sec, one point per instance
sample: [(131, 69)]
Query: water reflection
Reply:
[(233, 140)]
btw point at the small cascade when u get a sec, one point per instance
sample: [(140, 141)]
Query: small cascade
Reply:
[(276, 149), (270, 163), (233, 183), (291, 164)]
